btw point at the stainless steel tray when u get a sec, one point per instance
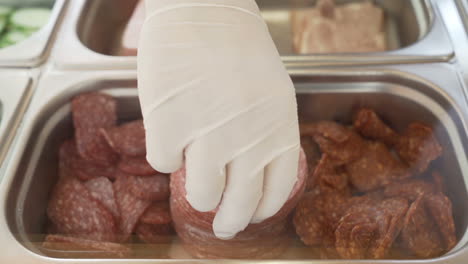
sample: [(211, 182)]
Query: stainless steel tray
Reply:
[(416, 32), (14, 95), (400, 96), (32, 51)]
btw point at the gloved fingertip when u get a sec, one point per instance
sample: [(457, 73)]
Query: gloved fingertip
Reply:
[(164, 166), (224, 235)]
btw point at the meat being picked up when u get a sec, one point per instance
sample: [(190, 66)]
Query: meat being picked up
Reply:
[(348, 28)]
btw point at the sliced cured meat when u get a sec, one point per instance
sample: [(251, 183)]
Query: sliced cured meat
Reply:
[(152, 188), (340, 143), (131, 208), (73, 165), (316, 216), (368, 124), (127, 139), (328, 175), (136, 166), (440, 208), (375, 168), (85, 247), (101, 190), (410, 189), (418, 147), (312, 152), (263, 240), (91, 112), (157, 214), (439, 182), (419, 234), (369, 230), (154, 234), (73, 211)]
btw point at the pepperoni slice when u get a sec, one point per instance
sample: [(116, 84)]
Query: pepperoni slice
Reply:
[(66, 246), (410, 189), (101, 190), (328, 175), (368, 124), (73, 211), (136, 166), (127, 139), (91, 112), (440, 208), (418, 147)]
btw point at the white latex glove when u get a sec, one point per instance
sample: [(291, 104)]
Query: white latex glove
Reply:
[(212, 85)]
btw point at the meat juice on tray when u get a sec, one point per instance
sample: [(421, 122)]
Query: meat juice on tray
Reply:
[(364, 191)]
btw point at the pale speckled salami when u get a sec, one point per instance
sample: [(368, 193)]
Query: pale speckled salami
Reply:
[(101, 190), (73, 211), (72, 164), (127, 139), (84, 247), (136, 166), (157, 214), (152, 188), (154, 234), (91, 112), (131, 208)]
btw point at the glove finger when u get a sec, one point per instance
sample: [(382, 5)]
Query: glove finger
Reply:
[(280, 177), (241, 196)]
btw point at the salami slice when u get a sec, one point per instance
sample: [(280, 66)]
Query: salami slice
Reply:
[(418, 147), (91, 112), (127, 139), (340, 143), (376, 167), (84, 247), (312, 152), (419, 234), (101, 190), (440, 208), (154, 234), (131, 208), (328, 175), (151, 188), (368, 124), (73, 165), (410, 189), (136, 166), (73, 211), (157, 214)]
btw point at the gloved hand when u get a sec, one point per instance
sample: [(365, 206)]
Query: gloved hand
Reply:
[(212, 86)]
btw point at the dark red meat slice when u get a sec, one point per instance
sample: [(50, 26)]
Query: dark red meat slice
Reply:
[(91, 112), (157, 214), (73, 211), (368, 124), (376, 167), (420, 233), (439, 182), (340, 143), (410, 189), (136, 166), (152, 188), (127, 139), (71, 164), (84, 247), (154, 234), (328, 175), (418, 147), (131, 208), (368, 230), (312, 152), (101, 190), (440, 208)]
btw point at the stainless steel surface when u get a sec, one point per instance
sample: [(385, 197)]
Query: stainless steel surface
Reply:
[(14, 95), (416, 33), (415, 93), (32, 51)]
